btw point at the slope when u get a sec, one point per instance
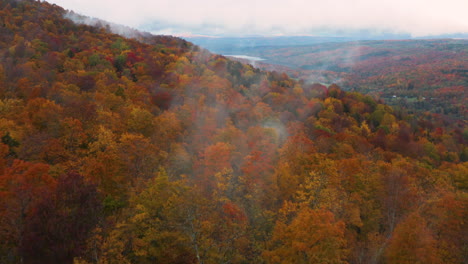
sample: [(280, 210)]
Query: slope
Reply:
[(118, 150)]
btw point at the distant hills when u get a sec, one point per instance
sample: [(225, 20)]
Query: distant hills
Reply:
[(419, 75), (224, 45), (229, 45)]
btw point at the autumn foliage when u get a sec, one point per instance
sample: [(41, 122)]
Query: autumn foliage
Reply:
[(151, 150)]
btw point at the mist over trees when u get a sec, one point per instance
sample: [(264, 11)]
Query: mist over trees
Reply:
[(153, 150)]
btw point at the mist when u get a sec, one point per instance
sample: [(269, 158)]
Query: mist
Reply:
[(273, 17)]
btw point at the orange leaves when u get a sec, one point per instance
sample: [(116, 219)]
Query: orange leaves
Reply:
[(213, 159), (217, 157), (446, 216), (412, 242), (44, 114), (312, 236), (256, 164)]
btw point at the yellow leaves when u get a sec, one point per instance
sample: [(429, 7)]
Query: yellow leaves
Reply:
[(458, 174), (11, 127), (184, 80), (181, 64), (311, 189), (73, 65), (353, 215), (297, 90), (317, 191), (207, 73), (141, 216), (287, 212), (249, 74), (286, 180), (151, 227), (112, 248), (140, 121), (223, 181), (389, 121), (105, 141), (365, 130), (333, 105)]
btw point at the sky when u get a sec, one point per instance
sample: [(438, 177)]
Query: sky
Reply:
[(417, 18)]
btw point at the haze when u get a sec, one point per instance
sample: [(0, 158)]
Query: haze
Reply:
[(273, 17)]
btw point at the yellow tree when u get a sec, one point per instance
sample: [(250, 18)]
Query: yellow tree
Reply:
[(151, 231)]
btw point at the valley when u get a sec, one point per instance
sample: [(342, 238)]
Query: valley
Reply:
[(417, 75)]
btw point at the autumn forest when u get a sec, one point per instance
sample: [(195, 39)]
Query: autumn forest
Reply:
[(150, 149)]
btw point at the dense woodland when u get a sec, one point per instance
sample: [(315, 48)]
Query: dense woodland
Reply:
[(152, 150)]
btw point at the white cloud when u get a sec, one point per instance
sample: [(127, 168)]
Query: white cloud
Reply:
[(266, 17)]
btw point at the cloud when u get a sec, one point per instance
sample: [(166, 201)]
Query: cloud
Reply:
[(275, 17)]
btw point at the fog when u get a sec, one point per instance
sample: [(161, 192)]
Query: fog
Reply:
[(274, 17)]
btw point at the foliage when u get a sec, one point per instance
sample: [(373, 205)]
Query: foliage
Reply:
[(149, 149)]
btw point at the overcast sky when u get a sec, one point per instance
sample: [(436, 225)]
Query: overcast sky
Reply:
[(280, 17)]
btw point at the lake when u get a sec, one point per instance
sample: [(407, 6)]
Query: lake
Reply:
[(245, 57)]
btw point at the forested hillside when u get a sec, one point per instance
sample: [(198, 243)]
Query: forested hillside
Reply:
[(152, 150)]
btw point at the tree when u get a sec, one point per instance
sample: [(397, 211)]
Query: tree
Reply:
[(399, 191), (61, 221), (152, 229), (412, 242), (21, 186), (140, 158), (445, 215), (312, 236), (214, 159)]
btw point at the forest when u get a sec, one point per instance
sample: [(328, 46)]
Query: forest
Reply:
[(152, 150)]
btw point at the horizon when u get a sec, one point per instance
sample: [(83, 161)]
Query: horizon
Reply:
[(338, 18)]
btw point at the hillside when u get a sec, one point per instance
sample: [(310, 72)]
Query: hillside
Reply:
[(418, 75), (153, 150)]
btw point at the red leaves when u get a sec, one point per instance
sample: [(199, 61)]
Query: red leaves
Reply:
[(24, 180), (162, 100), (57, 229), (133, 58), (233, 213), (21, 186)]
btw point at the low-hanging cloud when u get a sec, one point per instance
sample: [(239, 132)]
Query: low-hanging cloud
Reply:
[(275, 17)]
